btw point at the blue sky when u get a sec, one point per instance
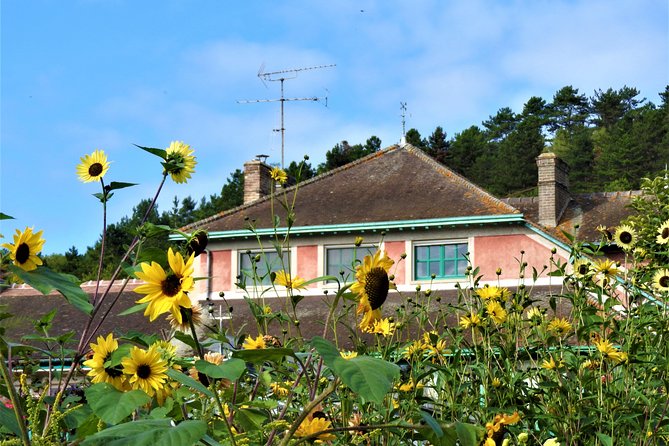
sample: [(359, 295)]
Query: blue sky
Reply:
[(79, 75)]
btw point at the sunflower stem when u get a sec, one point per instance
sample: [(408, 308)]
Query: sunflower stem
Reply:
[(102, 243), (307, 410)]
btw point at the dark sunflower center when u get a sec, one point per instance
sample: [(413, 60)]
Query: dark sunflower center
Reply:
[(664, 281), (665, 233), (582, 269), (22, 253), (144, 371), (171, 285), (95, 169), (377, 286), (626, 237)]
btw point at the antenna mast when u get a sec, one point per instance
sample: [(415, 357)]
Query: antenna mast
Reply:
[(403, 107), (281, 76)]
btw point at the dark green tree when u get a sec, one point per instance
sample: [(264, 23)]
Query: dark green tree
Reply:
[(413, 137), (437, 145)]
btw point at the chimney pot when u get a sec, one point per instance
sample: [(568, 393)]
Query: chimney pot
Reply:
[(257, 179)]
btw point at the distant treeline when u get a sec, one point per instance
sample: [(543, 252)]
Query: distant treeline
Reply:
[(609, 140)]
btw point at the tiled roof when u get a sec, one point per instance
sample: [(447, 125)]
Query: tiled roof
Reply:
[(397, 183), (584, 213)]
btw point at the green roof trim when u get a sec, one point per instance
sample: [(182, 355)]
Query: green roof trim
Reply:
[(433, 223), (548, 237)]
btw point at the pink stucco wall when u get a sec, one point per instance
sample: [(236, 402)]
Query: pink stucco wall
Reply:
[(221, 271), (394, 250), (503, 251), (307, 262)]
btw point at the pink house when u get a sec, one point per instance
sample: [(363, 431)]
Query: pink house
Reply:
[(426, 217)]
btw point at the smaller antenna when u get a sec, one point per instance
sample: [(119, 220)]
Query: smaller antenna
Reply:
[(403, 107)]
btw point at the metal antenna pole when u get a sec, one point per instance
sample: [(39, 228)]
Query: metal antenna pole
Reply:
[(271, 77)]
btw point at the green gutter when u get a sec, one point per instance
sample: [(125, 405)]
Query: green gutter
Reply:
[(432, 223), (548, 237)]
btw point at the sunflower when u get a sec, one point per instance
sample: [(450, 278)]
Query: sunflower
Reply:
[(496, 312), (608, 351), (372, 285), (549, 364), (166, 291), (146, 369), (311, 426), (605, 270), (471, 321), (348, 355), (100, 373), (415, 348), (25, 248), (496, 429), (279, 175), (582, 267), (93, 167), (560, 327), (383, 327), (489, 293), (663, 233), (180, 162), (188, 315), (254, 344), (535, 315), (291, 283), (279, 390), (625, 237), (661, 280)]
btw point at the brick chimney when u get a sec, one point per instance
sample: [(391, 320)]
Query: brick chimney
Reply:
[(257, 179), (553, 188)]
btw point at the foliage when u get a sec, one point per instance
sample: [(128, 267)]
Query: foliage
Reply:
[(585, 366)]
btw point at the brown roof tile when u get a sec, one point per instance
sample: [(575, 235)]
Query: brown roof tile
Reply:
[(397, 183)]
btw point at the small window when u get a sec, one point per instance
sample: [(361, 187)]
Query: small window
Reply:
[(344, 259), (443, 260), (269, 261)]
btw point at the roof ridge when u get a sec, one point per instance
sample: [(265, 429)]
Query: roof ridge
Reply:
[(319, 177)]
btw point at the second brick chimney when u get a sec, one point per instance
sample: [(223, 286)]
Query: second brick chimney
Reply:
[(257, 179), (553, 188)]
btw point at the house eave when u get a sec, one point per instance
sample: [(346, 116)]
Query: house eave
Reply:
[(361, 228)]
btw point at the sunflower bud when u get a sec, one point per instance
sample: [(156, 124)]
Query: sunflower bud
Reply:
[(358, 241), (197, 243)]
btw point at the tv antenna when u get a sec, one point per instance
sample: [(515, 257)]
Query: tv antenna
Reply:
[(281, 76), (403, 107)]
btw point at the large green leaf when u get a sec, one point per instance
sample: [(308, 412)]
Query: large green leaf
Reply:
[(231, 369), (371, 378), (160, 153), (150, 433), (8, 420), (45, 281), (469, 434), (111, 405), (263, 354), (189, 382)]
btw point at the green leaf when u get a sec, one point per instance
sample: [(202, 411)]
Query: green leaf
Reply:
[(160, 153), (189, 382), (45, 281), (231, 369), (4, 216), (8, 420), (263, 354), (250, 419), (438, 431), (111, 405), (371, 378), (134, 309), (150, 433), (186, 339), (118, 185), (605, 439), (468, 434)]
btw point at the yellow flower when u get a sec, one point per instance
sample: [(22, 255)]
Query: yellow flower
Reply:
[(663, 233), (279, 389), (582, 267), (383, 327), (254, 344), (414, 348), (166, 291), (410, 385), (608, 351), (348, 355), (496, 312), (550, 364), (437, 350), (495, 429), (625, 237), (93, 167), (551, 442), (284, 279), (180, 162), (313, 426), (23, 252), (605, 270), (166, 350), (471, 321), (535, 314), (146, 368), (100, 373), (496, 382), (279, 175), (493, 293), (661, 280), (560, 327), (371, 286), (188, 315)]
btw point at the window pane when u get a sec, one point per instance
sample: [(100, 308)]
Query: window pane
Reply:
[(449, 268), (443, 260), (269, 261), (421, 252), (450, 251), (434, 269), (342, 259), (421, 270), (435, 252)]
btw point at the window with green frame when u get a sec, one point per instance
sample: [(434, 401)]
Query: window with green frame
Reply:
[(443, 260), (343, 259), (269, 261)]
